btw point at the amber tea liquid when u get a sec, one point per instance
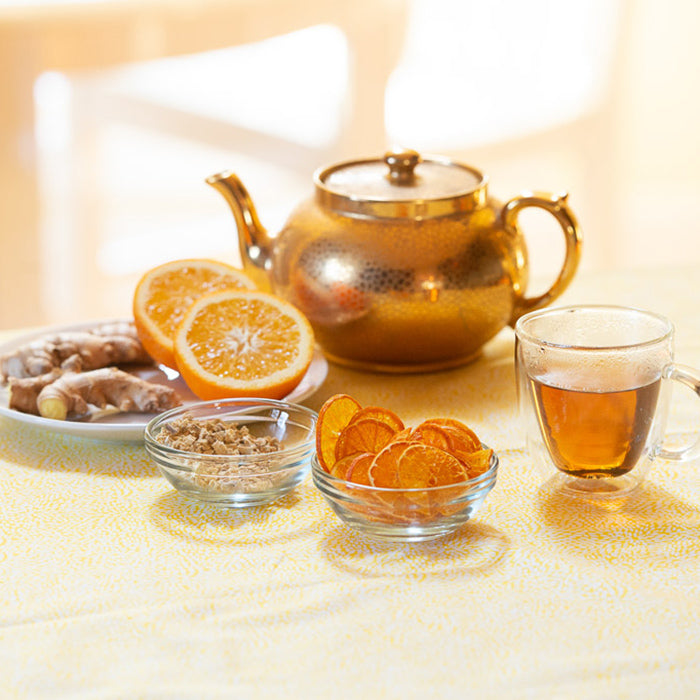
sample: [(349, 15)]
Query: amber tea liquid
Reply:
[(595, 434)]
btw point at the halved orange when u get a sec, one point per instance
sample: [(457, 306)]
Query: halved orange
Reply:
[(333, 416), (242, 343), (164, 294)]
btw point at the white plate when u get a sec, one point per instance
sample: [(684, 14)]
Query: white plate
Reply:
[(112, 425)]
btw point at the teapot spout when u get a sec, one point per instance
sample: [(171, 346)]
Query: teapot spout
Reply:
[(254, 243)]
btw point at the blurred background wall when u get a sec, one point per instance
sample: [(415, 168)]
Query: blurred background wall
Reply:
[(113, 113)]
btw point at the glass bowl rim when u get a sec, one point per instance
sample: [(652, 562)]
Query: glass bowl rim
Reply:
[(165, 451), (474, 483)]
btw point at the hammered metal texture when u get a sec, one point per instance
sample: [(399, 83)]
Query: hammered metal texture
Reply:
[(400, 295)]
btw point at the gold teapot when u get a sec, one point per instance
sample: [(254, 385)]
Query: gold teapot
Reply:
[(401, 263)]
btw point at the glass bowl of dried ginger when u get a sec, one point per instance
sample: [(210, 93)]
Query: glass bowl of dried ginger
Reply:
[(233, 452)]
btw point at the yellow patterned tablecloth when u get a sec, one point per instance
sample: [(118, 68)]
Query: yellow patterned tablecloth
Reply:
[(113, 586)]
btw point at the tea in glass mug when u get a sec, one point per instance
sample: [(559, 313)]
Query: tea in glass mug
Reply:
[(593, 391)]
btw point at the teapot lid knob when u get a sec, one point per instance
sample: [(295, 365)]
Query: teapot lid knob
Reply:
[(401, 166)]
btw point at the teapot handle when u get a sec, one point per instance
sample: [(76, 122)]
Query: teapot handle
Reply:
[(558, 207)]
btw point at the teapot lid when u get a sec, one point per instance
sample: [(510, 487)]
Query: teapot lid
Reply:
[(401, 185)]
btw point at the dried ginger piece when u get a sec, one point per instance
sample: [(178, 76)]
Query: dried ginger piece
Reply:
[(214, 436)]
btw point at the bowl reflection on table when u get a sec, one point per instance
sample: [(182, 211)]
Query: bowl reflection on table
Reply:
[(409, 515), (238, 480)]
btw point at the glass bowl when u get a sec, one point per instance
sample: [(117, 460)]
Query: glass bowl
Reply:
[(198, 468), (406, 515)]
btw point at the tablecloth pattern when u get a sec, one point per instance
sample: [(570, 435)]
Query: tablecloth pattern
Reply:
[(114, 586)]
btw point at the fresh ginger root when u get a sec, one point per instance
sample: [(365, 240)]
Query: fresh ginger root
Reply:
[(102, 346), (24, 391), (71, 394), (61, 376)]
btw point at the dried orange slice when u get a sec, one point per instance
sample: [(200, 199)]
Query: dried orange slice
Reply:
[(164, 294), (358, 471), (418, 472), (340, 468), (415, 472), (364, 435), (461, 436), (243, 343), (383, 471), (402, 436), (434, 435), (378, 413), (477, 463), (461, 441), (333, 416), (424, 466)]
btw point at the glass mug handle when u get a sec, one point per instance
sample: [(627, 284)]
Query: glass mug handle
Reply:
[(690, 378), (558, 207)]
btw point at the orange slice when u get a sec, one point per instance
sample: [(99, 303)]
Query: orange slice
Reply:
[(432, 435), (477, 463), (340, 468), (382, 414), (358, 471), (241, 343), (383, 471), (164, 294), (424, 466), (333, 416), (364, 435), (402, 436), (461, 436)]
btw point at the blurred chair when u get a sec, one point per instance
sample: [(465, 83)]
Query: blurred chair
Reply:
[(91, 36)]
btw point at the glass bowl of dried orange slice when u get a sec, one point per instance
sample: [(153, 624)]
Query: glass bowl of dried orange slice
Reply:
[(394, 482), (233, 452)]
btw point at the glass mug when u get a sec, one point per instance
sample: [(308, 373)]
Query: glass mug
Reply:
[(594, 387)]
